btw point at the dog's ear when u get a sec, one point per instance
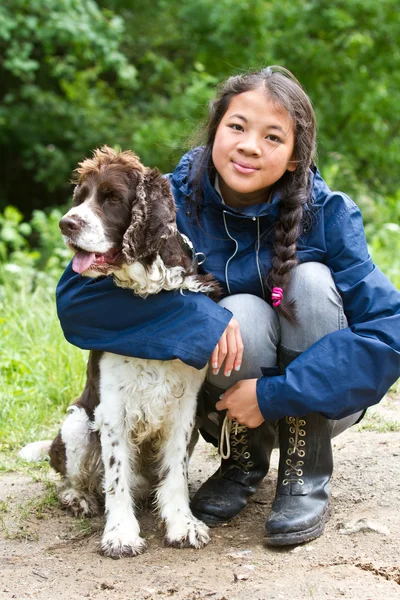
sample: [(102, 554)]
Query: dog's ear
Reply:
[(153, 217)]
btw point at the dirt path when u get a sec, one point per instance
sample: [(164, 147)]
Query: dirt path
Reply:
[(54, 557)]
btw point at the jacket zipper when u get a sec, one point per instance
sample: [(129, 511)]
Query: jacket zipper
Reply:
[(257, 249), (233, 255)]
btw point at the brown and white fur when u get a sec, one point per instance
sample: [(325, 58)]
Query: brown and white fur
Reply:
[(142, 411)]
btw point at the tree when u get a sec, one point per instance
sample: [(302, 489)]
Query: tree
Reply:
[(140, 74), (345, 53), (63, 79)]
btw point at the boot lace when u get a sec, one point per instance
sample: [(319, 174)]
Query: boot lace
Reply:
[(297, 444), (234, 439)]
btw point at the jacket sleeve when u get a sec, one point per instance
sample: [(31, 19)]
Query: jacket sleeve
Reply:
[(95, 314), (351, 369)]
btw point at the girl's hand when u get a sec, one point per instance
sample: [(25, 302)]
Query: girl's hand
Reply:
[(241, 404), (229, 348)]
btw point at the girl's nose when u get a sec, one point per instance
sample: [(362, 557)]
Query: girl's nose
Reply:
[(249, 145)]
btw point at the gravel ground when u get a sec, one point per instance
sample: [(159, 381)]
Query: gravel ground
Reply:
[(47, 554)]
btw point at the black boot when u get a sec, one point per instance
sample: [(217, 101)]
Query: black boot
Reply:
[(305, 468), (225, 494)]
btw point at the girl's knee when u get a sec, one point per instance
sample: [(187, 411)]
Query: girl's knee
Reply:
[(314, 291), (319, 307), (311, 279)]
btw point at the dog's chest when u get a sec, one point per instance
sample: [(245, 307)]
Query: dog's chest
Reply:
[(147, 393)]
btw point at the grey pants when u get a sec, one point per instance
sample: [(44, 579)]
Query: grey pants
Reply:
[(269, 340)]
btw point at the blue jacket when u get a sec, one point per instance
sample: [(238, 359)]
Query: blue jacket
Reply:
[(343, 373)]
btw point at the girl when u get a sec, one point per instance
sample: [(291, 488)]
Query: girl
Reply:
[(313, 340)]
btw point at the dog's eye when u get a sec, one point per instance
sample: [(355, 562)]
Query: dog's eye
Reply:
[(111, 198)]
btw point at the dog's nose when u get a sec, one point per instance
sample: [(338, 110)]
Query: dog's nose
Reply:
[(70, 225)]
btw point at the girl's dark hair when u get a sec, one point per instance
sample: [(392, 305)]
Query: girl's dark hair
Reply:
[(294, 188)]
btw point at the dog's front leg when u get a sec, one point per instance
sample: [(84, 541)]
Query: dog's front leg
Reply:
[(122, 532), (182, 528)]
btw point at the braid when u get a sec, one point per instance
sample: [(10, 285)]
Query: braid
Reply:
[(287, 231)]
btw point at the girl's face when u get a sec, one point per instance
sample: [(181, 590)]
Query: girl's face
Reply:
[(253, 148)]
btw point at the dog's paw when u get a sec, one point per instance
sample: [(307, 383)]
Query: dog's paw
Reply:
[(187, 533), (116, 544), (79, 504)]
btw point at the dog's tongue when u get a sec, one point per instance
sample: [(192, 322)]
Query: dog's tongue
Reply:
[(82, 261)]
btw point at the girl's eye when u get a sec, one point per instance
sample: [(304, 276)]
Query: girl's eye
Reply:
[(236, 127), (274, 138)]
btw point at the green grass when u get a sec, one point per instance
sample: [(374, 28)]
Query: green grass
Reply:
[(40, 373), (373, 421)]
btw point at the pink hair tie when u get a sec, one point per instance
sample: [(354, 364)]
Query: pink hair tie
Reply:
[(276, 295)]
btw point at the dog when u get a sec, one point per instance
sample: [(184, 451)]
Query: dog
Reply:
[(135, 415)]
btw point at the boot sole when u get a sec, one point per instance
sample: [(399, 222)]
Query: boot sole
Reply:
[(298, 537), (294, 538)]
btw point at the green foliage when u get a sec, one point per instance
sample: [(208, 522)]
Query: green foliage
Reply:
[(383, 233), (64, 78), (78, 73), (346, 54), (13, 232), (31, 253), (385, 248)]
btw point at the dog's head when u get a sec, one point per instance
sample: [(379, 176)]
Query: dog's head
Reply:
[(122, 212)]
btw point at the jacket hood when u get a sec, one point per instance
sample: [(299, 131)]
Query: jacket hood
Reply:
[(183, 179), (184, 175)]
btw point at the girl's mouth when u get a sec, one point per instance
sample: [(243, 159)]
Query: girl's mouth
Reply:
[(244, 168)]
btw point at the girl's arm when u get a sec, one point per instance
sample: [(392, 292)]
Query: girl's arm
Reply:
[(351, 369), (95, 314)]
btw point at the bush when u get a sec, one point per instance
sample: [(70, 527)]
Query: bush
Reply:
[(34, 250)]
